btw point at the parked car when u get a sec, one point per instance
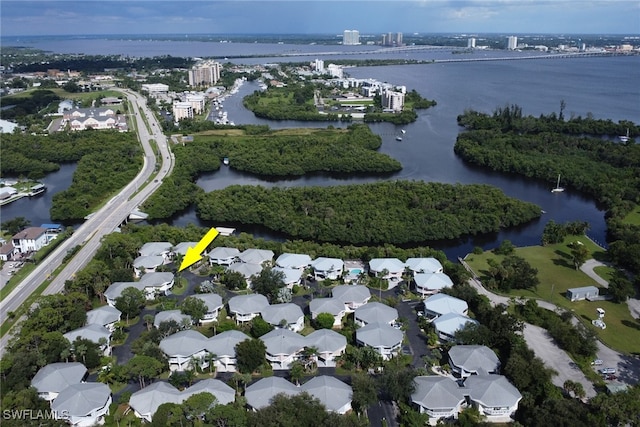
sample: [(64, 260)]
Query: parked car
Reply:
[(597, 362), (608, 370)]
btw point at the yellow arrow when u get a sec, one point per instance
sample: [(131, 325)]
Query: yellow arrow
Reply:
[(193, 255)]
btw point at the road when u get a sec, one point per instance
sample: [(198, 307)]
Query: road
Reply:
[(102, 222)]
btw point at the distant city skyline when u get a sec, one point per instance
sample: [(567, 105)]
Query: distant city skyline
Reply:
[(69, 17)]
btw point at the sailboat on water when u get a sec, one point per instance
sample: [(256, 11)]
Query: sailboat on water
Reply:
[(624, 138), (558, 189)]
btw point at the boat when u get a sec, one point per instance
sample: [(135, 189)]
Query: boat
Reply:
[(558, 189), (624, 138), (403, 131), (225, 160), (398, 138)]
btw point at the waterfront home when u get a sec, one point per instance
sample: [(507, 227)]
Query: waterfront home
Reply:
[(97, 334), (333, 306), (223, 346), (331, 392), (145, 402), (223, 256), (448, 324), (185, 348), (287, 315), (329, 345), (293, 261), (283, 347), (439, 397), (389, 269), (494, 397), (261, 257), (30, 239), (106, 316), (375, 312), (163, 249), (327, 268), (246, 307), (352, 296), (260, 393), (290, 276), (157, 283), (431, 283), (214, 305), (440, 304), (248, 271), (424, 265), (147, 264), (183, 320), (83, 404), (383, 338), (51, 379), (467, 360)]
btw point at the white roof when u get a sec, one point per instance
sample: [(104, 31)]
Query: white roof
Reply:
[(103, 315), (222, 252), (256, 256), (392, 265), (283, 341), (298, 261), (290, 312), (181, 248), (424, 265), (492, 390), (156, 279), (432, 280), (224, 344), (443, 304), (184, 343), (168, 315), (148, 261), (351, 293), (326, 305), (115, 289), (289, 275), (376, 312), (80, 400), (91, 332), (248, 304), (211, 300), (332, 393), (146, 401), (436, 392), (379, 335), (247, 270), (155, 248), (450, 323), (222, 392), (326, 340), (474, 358), (260, 393), (327, 264), (55, 377)]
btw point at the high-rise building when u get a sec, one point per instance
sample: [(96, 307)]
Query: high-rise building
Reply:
[(392, 100), (318, 65), (204, 74), (392, 39), (182, 110), (512, 42), (351, 37), (471, 42)]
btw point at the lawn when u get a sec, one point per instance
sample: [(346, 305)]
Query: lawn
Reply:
[(557, 274), (633, 217)]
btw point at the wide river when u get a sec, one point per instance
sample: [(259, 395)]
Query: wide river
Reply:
[(604, 87)]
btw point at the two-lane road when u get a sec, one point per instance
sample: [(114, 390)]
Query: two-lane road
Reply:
[(102, 222)]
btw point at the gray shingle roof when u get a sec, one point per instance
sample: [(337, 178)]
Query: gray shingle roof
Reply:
[(288, 260), (223, 393), (351, 293), (379, 335), (432, 280), (283, 341), (224, 344), (155, 248), (326, 305), (492, 390), (392, 265), (260, 393), (332, 393), (103, 315), (256, 256), (289, 275), (81, 399), (92, 332), (181, 248), (326, 340), (168, 315), (425, 265), (376, 312), (148, 261), (146, 401), (443, 304), (327, 264), (115, 289), (451, 322), (156, 279), (435, 392), (212, 301), (247, 304), (55, 377), (222, 252), (474, 358), (247, 270), (290, 312), (183, 343)]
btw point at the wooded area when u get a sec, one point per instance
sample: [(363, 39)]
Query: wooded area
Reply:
[(385, 212)]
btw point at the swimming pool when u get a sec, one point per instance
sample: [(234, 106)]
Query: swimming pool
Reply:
[(355, 271)]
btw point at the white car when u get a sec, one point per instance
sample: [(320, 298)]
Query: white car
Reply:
[(597, 362), (608, 370)]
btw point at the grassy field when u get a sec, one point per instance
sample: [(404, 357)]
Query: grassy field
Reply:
[(633, 217), (557, 274)]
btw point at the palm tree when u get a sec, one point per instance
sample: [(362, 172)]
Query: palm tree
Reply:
[(310, 357), (148, 319), (210, 358), (296, 371)]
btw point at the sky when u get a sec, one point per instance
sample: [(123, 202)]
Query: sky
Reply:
[(69, 17)]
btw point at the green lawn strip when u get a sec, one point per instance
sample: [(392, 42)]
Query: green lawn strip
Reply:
[(633, 217), (557, 274), (607, 273)]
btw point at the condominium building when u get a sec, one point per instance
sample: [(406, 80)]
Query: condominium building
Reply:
[(197, 102), (471, 42), (392, 39), (512, 42), (204, 73), (392, 100), (318, 65), (351, 37), (182, 110)]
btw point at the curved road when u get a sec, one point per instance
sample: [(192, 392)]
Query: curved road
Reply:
[(102, 222)]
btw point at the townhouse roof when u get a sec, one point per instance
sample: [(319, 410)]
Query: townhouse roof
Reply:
[(260, 393), (283, 341), (115, 289), (326, 305), (156, 279), (443, 304), (392, 265), (376, 312), (55, 377), (289, 275), (29, 233), (332, 393), (450, 323), (224, 344), (7, 248), (274, 314), (181, 248), (436, 392), (183, 343), (168, 315), (146, 401), (256, 256), (155, 248), (248, 304), (326, 340), (424, 265), (432, 280), (247, 270), (80, 400), (222, 392), (103, 315), (211, 300), (222, 252), (492, 390), (474, 358), (148, 261), (92, 332), (297, 261), (351, 293), (327, 264), (379, 335)]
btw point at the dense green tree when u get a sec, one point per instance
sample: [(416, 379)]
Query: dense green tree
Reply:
[(259, 327), (169, 414), (230, 415), (250, 355), (233, 280), (144, 368), (579, 254), (13, 226), (130, 302), (268, 283), (194, 307), (620, 288), (397, 381), (324, 320), (365, 392)]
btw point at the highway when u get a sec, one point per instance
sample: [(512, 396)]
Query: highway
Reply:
[(105, 220)]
